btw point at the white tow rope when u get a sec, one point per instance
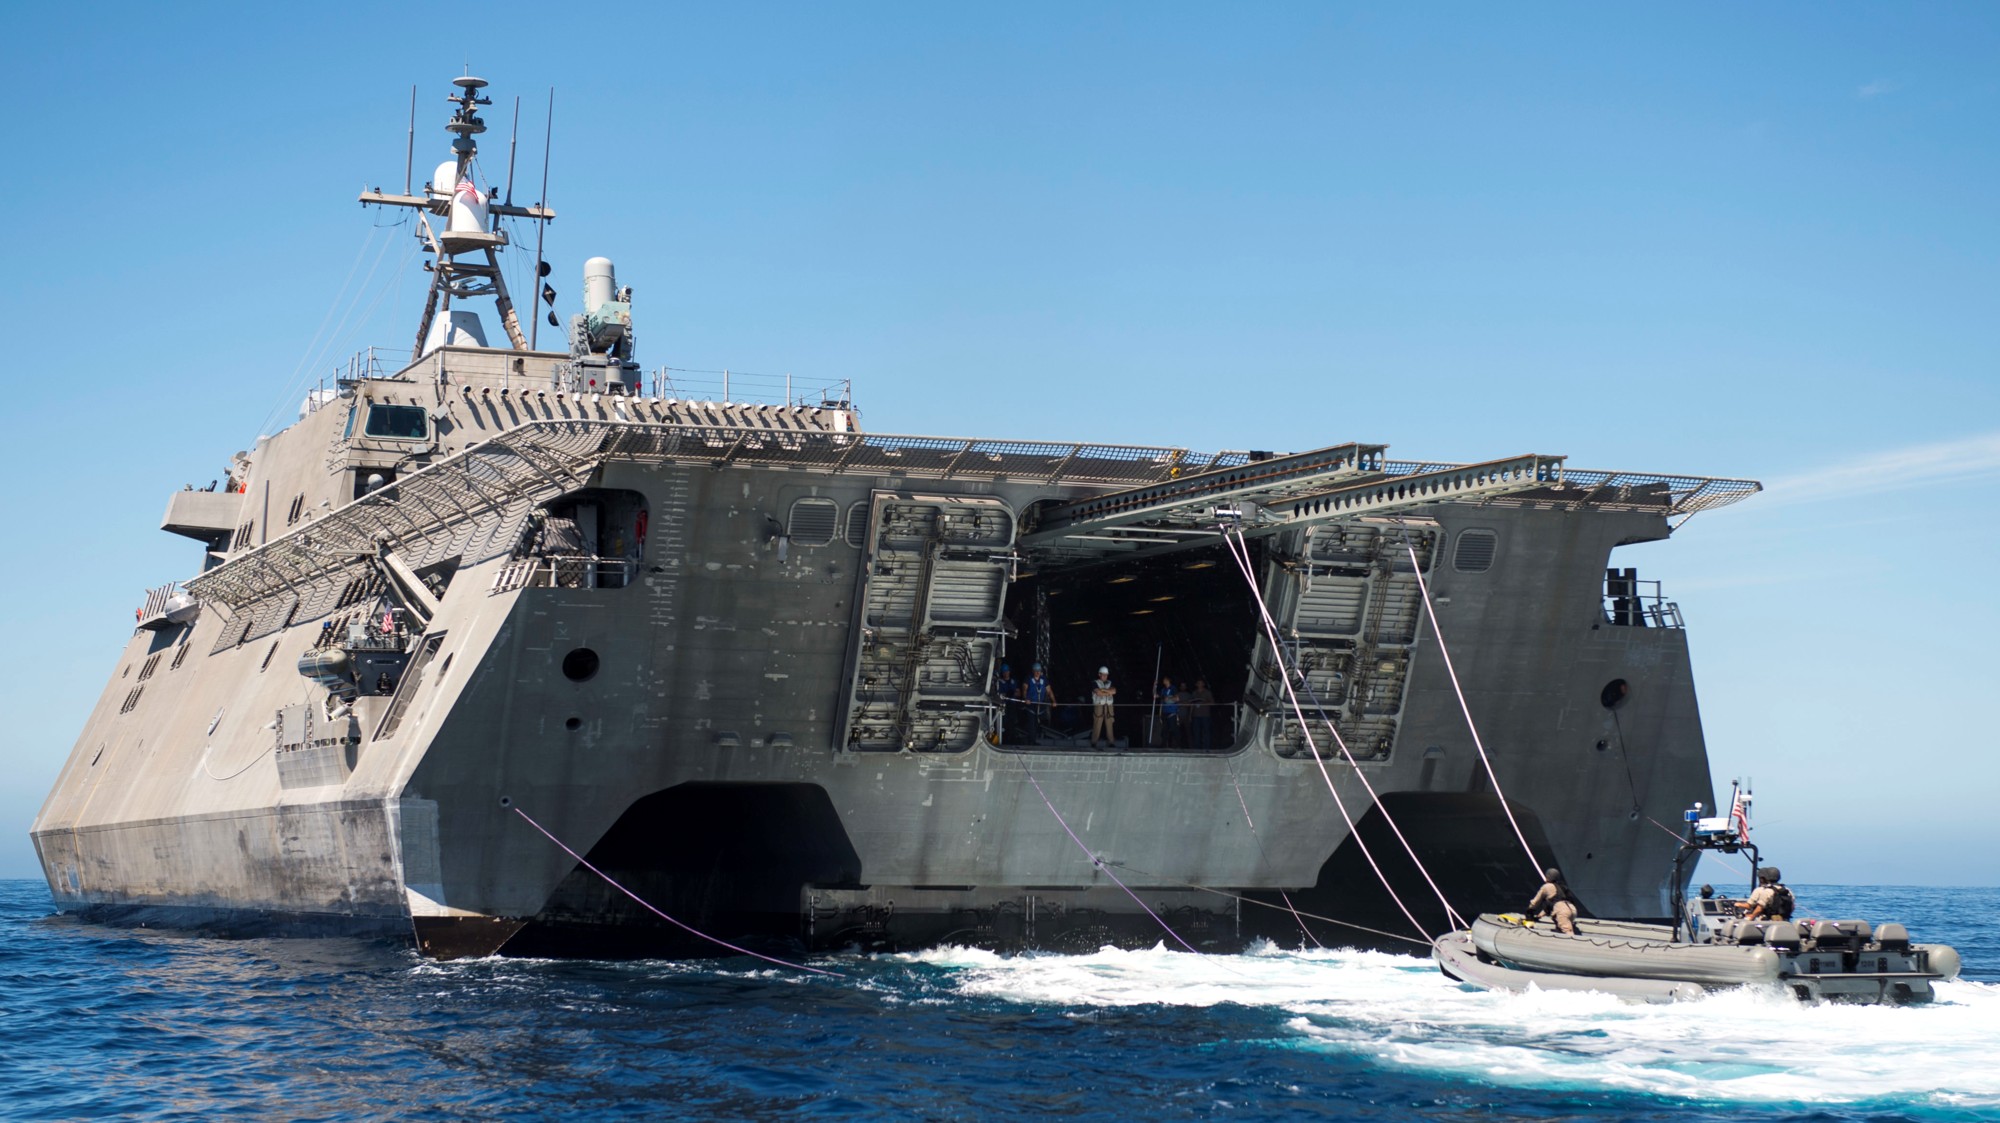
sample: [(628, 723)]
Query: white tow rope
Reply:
[(1430, 611), (1305, 730)]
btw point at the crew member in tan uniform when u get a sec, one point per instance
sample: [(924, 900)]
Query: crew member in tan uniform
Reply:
[(1102, 697), (1555, 899), (1770, 900)]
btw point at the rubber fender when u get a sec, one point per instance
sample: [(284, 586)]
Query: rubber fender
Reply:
[(1764, 960), (1943, 960)]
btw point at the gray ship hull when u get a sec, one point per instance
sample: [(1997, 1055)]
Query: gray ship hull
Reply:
[(716, 759)]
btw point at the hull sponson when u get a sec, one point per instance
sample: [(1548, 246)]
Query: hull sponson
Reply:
[(729, 661)]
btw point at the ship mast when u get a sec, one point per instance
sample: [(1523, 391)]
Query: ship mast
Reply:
[(467, 250)]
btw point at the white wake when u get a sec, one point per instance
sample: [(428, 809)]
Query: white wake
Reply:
[(1398, 1010)]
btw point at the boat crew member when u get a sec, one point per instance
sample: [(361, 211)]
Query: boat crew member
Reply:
[(1555, 899), (1201, 708), (1770, 900), (1039, 697), (1102, 697), (1008, 690), (1170, 714)]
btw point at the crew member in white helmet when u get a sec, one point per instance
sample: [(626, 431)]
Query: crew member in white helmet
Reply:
[(1103, 696)]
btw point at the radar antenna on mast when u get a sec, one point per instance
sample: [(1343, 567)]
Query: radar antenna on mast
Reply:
[(467, 264)]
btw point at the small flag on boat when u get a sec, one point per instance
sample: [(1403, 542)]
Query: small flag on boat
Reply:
[(1739, 814)]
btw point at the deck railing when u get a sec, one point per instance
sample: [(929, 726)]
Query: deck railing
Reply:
[(564, 571), (1632, 603)]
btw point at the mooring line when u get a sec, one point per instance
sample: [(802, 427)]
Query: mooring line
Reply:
[(1430, 611), (1287, 905), (1100, 863), (1270, 630), (648, 906), (1451, 913)]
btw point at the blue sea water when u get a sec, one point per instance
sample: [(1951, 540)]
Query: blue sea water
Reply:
[(99, 1023)]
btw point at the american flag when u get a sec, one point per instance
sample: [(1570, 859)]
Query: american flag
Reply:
[(1739, 814), (468, 193)]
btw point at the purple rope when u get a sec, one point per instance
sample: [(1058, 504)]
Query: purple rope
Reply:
[(1099, 862), (585, 863)]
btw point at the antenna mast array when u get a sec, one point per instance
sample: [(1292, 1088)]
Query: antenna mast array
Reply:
[(467, 250)]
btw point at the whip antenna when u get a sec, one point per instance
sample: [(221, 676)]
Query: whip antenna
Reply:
[(549, 131), (513, 140), (410, 148)]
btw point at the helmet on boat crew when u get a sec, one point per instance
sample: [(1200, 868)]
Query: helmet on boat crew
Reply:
[(1104, 670), (1769, 873), (1552, 874)]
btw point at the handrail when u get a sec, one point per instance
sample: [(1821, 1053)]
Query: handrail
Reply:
[(567, 571)]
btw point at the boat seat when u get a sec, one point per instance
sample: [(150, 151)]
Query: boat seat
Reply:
[(1749, 932), (1829, 935), (1784, 935), (1892, 937)]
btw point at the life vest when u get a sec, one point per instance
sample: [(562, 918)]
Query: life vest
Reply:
[(1038, 690)]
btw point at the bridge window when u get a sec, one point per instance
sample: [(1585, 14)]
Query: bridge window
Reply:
[(398, 423)]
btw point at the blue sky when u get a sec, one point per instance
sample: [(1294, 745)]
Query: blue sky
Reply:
[(1729, 240)]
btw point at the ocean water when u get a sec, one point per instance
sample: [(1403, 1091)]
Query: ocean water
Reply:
[(99, 1023)]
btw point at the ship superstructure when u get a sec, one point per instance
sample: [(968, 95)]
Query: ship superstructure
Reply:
[(743, 654)]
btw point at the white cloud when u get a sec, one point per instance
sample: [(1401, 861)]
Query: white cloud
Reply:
[(1876, 88), (1941, 462)]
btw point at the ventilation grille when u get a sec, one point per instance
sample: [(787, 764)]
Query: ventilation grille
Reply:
[(131, 700), (857, 525), (813, 522), (1475, 551)]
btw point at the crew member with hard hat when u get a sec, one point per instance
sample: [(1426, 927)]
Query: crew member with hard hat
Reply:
[(1555, 900), (1040, 698), (1102, 697)]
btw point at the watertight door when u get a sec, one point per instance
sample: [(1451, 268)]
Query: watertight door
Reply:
[(934, 586)]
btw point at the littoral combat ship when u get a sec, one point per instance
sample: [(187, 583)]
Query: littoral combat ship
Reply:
[(740, 653)]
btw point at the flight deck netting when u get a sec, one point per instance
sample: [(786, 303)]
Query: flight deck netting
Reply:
[(486, 484), (466, 501), (1674, 496)]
